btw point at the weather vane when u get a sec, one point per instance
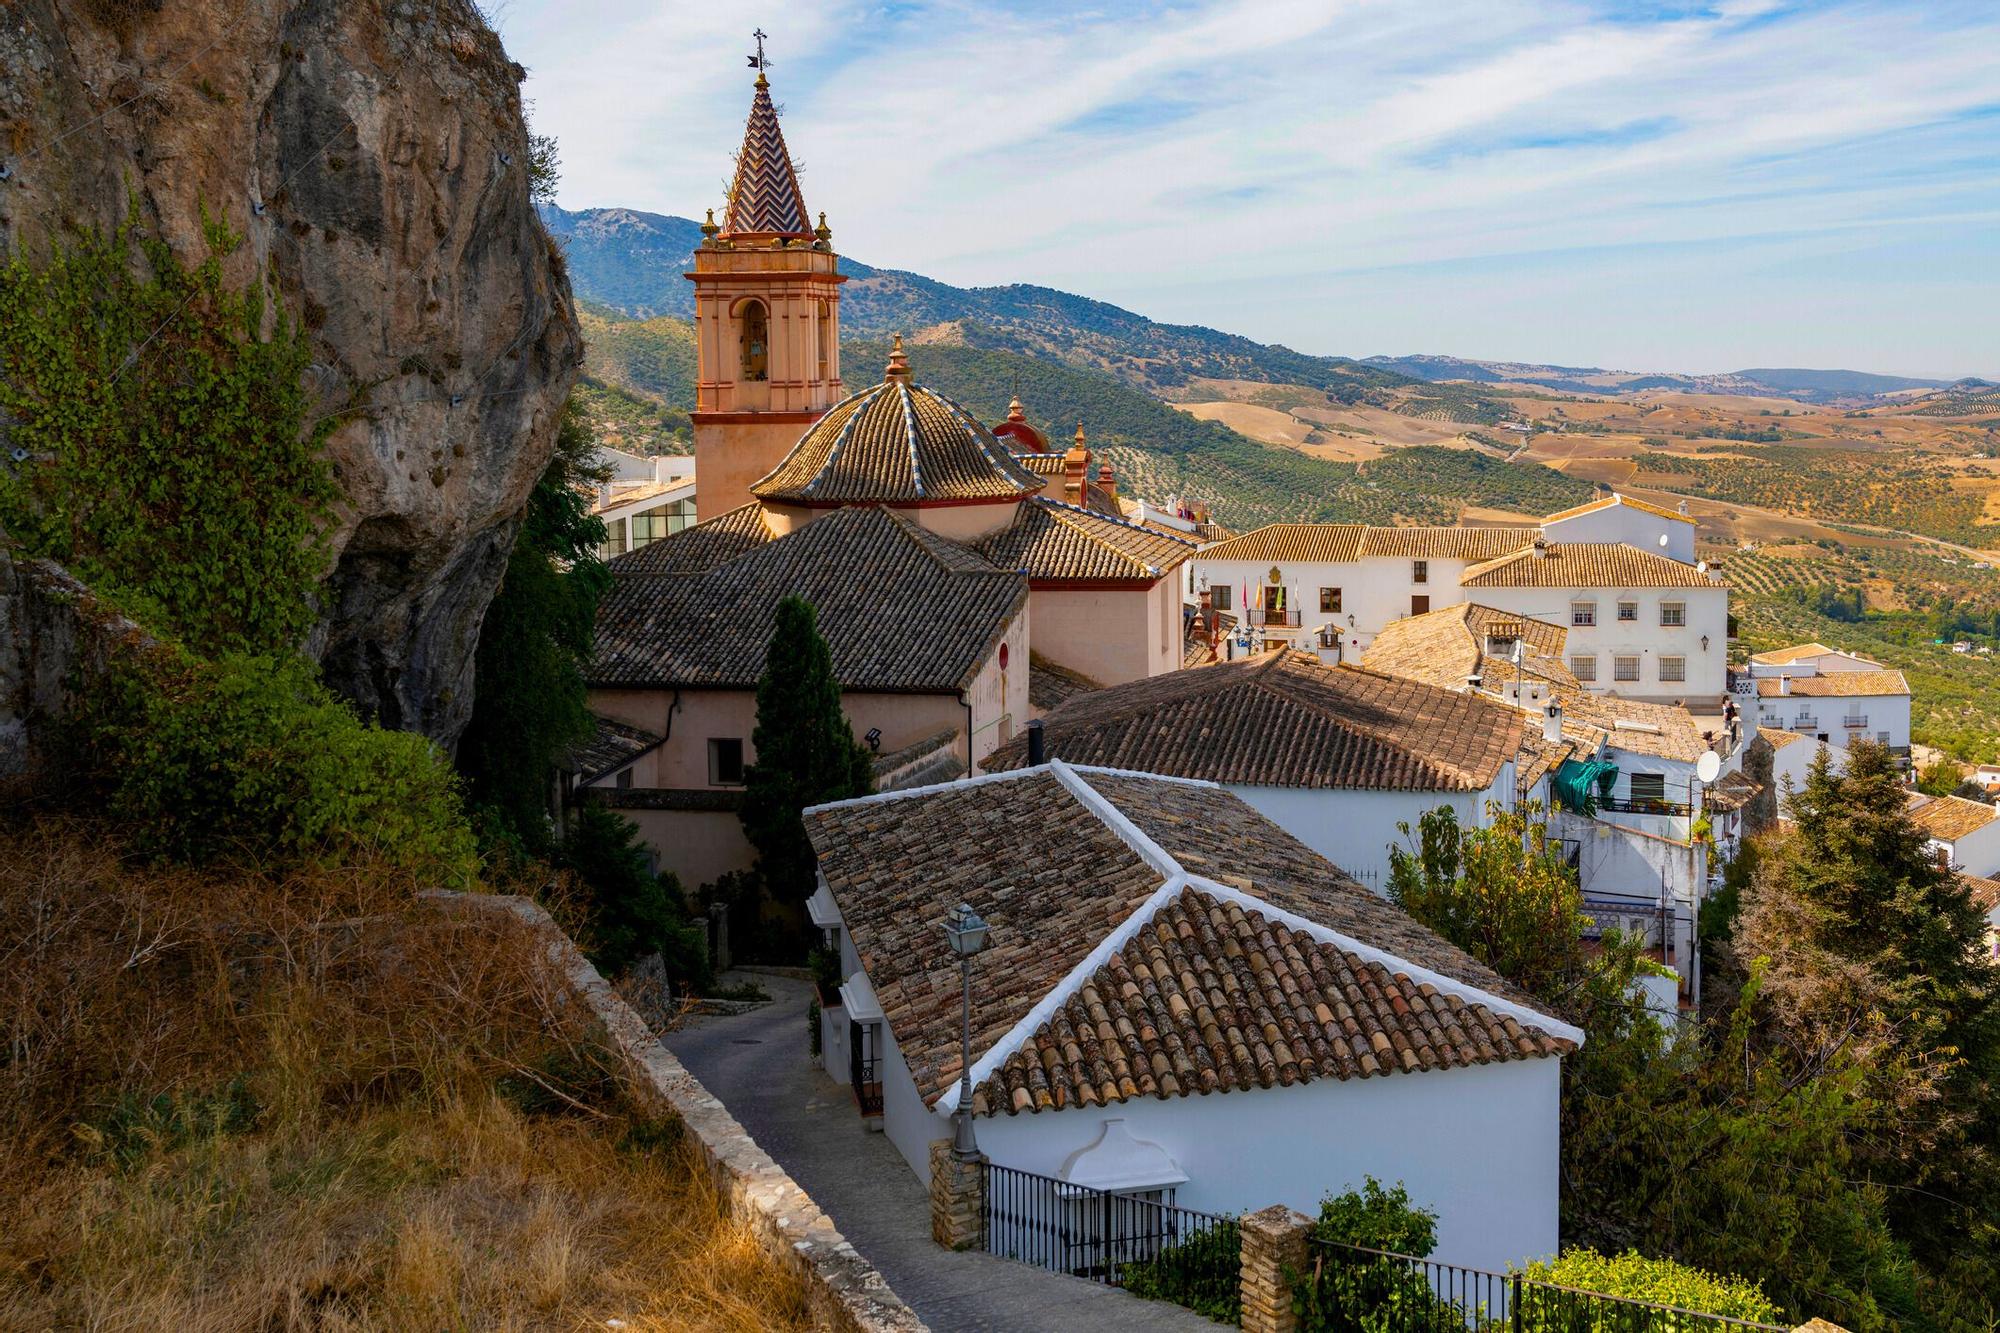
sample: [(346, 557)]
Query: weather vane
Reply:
[(758, 62)]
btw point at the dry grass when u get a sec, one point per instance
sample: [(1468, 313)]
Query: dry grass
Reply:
[(233, 1103)]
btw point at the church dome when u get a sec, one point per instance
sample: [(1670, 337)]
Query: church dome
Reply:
[(897, 443)]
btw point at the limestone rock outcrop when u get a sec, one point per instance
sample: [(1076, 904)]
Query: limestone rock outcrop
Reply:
[(373, 156)]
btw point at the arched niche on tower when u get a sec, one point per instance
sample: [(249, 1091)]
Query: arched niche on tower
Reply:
[(753, 339)]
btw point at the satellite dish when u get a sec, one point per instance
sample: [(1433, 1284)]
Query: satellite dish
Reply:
[(1663, 539), (1709, 766)]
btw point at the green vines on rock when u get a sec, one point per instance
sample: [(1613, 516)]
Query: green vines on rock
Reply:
[(155, 437)]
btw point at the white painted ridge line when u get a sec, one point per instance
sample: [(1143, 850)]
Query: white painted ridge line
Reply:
[(1113, 818), (1017, 1036), (1462, 990), (1137, 773), (877, 798)]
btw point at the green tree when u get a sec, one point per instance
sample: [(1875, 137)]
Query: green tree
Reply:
[(630, 912), (536, 642), (1877, 952), (806, 752), (1502, 893), (1942, 778), (160, 442)]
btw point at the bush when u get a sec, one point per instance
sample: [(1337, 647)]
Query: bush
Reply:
[(629, 912), (249, 760), (1636, 1278), (1203, 1273), (1341, 1289)]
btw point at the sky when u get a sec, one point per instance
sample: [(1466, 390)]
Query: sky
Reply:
[(1638, 186)]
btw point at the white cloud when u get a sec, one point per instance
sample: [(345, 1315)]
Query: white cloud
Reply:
[(1214, 160)]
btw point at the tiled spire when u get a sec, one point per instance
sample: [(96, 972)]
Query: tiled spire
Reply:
[(765, 199)]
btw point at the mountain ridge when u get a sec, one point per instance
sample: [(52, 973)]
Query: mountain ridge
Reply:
[(632, 261)]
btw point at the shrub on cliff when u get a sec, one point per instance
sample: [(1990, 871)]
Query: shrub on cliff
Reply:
[(159, 444), (251, 761)]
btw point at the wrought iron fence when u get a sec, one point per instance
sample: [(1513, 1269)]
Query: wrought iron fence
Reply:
[(1142, 1241), (1351, 1287)]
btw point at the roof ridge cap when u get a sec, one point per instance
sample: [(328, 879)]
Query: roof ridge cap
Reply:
[(1116, 820), (1015, 1037), (1422, 759), (1120, 520), (1464, 991), (1069, 521)]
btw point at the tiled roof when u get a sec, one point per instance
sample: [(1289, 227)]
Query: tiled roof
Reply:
[(1985, 892), (1042, 465), (1616, 500), (610, 747), (1787, 656), (1836, 685), (765, 198), (1732, 791), (896, 443), (1332, 543), (701, 547), (1050, 686), (1341, 543), (1284, 719), (1949, 818), (1446, 646), (1655, 729), (1539, 756), (1050, 540), (1586, 565), (1445, 543), (1778, 737), (1243, 960), (902, 609)]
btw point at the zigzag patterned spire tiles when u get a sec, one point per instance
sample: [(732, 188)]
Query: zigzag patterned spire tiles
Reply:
[(766, 197)]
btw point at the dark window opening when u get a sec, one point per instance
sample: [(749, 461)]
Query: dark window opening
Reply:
[(725, 761)]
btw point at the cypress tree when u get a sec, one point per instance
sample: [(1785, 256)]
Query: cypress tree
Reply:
[(806, 752)]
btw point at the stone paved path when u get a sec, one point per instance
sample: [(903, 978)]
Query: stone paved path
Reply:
[(758, 1064)]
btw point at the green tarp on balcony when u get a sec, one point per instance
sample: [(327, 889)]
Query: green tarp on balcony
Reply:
[(1580, 784)]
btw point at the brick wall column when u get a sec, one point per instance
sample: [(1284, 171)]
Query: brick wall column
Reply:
[(958, 1199), (1273, 1240)]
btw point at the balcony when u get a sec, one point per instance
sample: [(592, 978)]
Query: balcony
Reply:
[(1805, 724), (1858, 722), (1644, 805), (1264, 619)]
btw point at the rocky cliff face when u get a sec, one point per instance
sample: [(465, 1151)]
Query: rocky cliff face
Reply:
[(373, 156)]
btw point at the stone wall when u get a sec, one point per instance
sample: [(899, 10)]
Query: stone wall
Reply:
[(846, 1294)]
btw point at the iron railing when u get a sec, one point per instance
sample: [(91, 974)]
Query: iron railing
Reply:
[(1644, 805), (1353, 1287), (1182, 1254), (861, 1070), (1274, 619), (1855, 721)]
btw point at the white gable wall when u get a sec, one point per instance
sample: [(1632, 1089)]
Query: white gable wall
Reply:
[(1355, 829), (1628, 524), (1477, 1145)]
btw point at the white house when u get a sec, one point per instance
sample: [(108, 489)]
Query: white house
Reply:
[(1964, 835), (1180, 1000), (1646, 620), (644, 499), (1834, 697), (1337, 756)]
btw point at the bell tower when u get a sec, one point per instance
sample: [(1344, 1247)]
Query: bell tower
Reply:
[(767, 317)]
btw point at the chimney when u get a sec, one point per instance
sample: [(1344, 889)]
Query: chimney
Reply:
[(1784, 683), (1541, 547), (1038, 750), (1106, 482), (1681, 508), (1552, 723), (1076, 469)]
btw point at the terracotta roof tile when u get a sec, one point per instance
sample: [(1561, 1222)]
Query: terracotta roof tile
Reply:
[(856, 566), (1655, 729), (1333, 543), (1050, 686), (610, 746), (1445, 543), (1285, 719), (1446, 646), (1949, 818), (1214, 993), (1787, 656), (1342, 543), (896, 443), (1836, 685), (1049, 540), (1587, 565), (701, 547)]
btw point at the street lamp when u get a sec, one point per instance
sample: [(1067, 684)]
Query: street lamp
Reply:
[(967, 931)]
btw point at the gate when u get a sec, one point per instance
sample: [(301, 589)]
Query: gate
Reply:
[(1104, 1235)]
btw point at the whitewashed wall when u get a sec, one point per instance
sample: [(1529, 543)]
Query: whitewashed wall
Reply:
[(1707, 615), (1477, 1145), (1630, 525), (1355, 829)]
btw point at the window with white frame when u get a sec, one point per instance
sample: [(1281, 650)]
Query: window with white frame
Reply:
[(1673, 613), (1649, 786), (1583, 613), (1583, 666), (1624, 668), (1673, 668)]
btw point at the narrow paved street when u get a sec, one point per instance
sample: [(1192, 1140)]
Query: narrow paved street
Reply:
[(758, 1064)]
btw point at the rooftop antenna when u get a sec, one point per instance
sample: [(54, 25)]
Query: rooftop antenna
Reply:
[(759, 62)]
